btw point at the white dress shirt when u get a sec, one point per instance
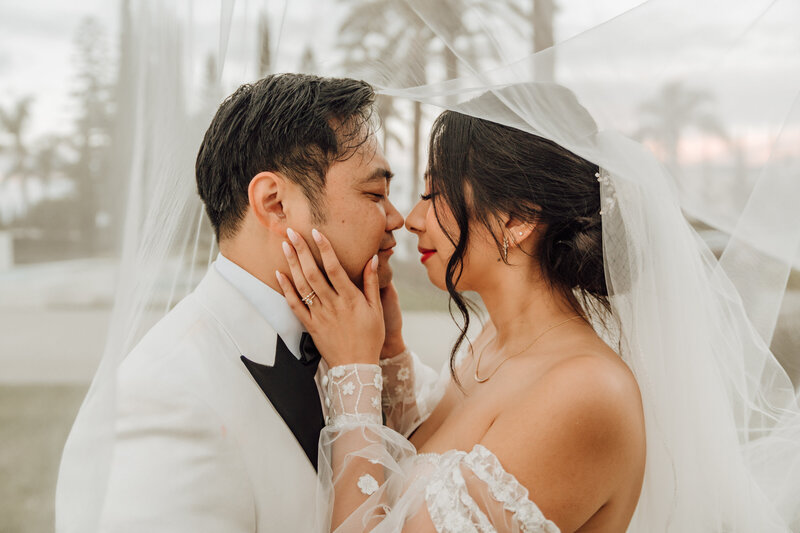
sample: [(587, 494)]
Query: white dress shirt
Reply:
[(270, 303)]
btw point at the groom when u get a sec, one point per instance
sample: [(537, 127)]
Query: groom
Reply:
[(219, 408)]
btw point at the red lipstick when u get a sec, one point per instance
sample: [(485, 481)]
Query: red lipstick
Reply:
[(426, 254)]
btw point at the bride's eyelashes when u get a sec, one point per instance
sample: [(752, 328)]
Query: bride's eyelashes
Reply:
[(426, 197)]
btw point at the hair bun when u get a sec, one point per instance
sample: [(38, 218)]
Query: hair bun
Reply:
[(576, 255)]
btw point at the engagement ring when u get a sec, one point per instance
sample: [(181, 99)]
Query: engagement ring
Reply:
[(308, 299)]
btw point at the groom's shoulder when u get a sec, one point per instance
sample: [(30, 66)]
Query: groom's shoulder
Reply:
[(186, 325), (174, 369), (174, 343)]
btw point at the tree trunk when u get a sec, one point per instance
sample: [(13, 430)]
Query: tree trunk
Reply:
[(264, 53), (416, 156), (450, 64), (415, 163), (451, 69), (121, 129), (542, 15)]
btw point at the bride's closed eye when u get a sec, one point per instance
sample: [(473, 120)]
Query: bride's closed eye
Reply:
[(426, 197)]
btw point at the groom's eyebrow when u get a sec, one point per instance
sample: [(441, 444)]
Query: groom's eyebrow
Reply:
[(379, 174)]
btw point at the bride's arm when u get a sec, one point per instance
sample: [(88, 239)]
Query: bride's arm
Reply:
[(372, 480), (352, 433), (411, 388)]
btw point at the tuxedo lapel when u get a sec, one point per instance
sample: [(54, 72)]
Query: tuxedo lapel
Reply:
[(289, 384), (244, 325)]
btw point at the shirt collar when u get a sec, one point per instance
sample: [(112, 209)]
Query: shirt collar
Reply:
[(269, 303)]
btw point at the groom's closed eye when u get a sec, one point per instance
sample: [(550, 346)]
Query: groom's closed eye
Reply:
[(378, 184)]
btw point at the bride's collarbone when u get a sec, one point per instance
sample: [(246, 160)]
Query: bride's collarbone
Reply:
[(465, 413)]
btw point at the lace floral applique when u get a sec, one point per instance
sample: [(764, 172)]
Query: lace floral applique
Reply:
[(367, 484), (354, 394), (450, 506), (396, 373), (505, 488)]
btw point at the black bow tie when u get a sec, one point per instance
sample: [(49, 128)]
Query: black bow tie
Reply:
[(308, 350)]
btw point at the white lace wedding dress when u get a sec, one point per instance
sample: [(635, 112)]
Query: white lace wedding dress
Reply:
[(373, 479)]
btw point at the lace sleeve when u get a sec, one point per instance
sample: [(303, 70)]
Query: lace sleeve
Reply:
[(411, 391), (372, 479)]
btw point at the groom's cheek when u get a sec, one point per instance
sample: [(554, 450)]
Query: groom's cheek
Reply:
[(352, 266)]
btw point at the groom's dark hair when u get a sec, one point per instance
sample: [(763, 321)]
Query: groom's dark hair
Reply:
[(295, 124)]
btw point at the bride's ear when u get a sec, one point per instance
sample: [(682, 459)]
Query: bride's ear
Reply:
[(519, 230), (266, 194)]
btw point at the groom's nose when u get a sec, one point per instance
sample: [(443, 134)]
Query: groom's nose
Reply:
[(394, 220)]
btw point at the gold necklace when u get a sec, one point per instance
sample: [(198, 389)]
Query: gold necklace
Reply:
[(478, 362)]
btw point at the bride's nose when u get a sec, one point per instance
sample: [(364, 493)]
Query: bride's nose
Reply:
[(415, 221)]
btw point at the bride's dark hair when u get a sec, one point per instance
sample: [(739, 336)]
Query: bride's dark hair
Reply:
[(482, 170)]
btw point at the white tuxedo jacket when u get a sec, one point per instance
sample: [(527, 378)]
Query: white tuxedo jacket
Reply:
[(199, 447)]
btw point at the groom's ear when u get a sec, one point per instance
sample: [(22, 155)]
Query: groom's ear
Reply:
[(266, 194)]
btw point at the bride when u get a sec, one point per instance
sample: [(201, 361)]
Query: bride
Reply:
[(539, 425)]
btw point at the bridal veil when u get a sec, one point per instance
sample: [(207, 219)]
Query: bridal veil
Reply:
[(692, 110)]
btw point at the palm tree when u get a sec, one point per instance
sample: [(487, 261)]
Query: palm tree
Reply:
[(14, 121), (401, 33), (390, 32), (212, 91), (264, 51), (47, 159), (674, 110), (308, 63), (92, 138), (386, 108)]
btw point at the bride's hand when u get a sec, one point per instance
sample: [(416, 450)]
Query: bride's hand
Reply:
[(346, 324), (393, 322)]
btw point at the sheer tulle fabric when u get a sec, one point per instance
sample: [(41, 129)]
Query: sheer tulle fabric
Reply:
[(722, 417), (372, 479)]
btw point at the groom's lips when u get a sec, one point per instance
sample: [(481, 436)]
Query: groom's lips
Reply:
[(387, 250), (426, 253)]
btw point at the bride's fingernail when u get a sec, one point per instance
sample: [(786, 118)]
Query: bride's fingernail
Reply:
[(375, 263), (278, 276), (293, 236), (287, 250), (317, 235)]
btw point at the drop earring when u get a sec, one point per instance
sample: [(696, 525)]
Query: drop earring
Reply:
[(505, 248)]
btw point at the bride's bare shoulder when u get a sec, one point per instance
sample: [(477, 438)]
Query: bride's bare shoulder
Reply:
[(592, 386), (575, 438), (597, 374)]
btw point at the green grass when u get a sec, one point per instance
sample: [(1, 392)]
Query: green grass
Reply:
[(34, 423)]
